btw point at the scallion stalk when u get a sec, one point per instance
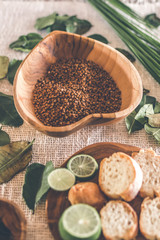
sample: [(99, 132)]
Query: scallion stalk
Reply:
[(132, 29)]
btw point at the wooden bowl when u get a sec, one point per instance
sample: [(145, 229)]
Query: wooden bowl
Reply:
[(12, 221), (60, 44)]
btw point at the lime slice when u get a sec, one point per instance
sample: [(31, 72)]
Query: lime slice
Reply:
[(82, 166), (61, 179), (80, 221)]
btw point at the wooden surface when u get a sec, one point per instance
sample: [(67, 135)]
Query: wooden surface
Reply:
[(57, 202), (13, 219), (62, 44)]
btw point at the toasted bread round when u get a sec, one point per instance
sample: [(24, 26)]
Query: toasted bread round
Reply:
[(150, 165), (150, 218), (120, 176), (119, 221)]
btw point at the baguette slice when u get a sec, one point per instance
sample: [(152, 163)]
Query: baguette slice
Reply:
[(150, 165), (150, 218), (120, 176), (119, 221)]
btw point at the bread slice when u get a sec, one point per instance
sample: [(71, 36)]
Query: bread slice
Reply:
[(150, 165), (120, 176), (119, 220), (150, 218)]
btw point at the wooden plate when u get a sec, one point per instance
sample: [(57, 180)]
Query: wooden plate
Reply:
[(57, 202), (13, 219)]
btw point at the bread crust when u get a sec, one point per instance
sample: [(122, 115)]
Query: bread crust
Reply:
[(144, 206), (150, 190), (132, 232), (132, 190), (87, 192)]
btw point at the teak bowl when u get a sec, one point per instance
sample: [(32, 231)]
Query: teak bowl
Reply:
[(60, 44)]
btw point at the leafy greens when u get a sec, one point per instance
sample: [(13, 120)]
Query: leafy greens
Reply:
[(8, 113), (99, 37), (4, 62), (13, 66), (4, 138), (153, 20), (36, 183), (64, 23), (147, 116), (25, 43)]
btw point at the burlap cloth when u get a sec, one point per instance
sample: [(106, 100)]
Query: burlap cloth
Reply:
[(18, 18)]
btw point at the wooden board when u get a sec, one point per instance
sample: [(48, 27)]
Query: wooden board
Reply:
[(57, 202)]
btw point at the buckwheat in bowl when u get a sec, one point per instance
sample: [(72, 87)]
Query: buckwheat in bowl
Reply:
[(69, 81)]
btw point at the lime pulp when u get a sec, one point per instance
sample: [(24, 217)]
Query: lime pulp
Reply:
[(61, 179), (82, 166), (80, 221)]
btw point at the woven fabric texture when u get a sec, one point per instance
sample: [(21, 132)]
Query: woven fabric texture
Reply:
[(18, 18)]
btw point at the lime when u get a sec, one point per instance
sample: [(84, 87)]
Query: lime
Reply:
[(61, 179), (80, 221), (82, 166)]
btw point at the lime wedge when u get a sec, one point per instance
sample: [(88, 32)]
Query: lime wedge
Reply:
[(82, 166), (80, 221), (61, 179)]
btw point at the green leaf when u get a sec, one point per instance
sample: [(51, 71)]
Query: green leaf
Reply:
[(25, 43), (153, 20), (12, 69), (145, 91), (154, 120), (59, 24), (36, 184), (136, 120), (126, 54), (31, 44), (99, 37), (132, 124), (14, 157), (146, 100), (79, 26), (22, 49), (155, 132), (32, 183), (4, 62), (143, 112), (8, 112), (63, 23), (44, 22), (33, 36), (4, 138), (150, 100), (44, 181), (157, 107)]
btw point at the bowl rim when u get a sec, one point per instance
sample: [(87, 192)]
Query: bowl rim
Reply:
[(84, 121)]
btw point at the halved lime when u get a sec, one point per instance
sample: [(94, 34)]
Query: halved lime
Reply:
[(80, 221), (61, 179), (82, 166)]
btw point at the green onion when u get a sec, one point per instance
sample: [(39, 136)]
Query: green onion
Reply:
[(140, 38)]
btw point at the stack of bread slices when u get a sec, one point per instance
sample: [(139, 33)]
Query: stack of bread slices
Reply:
[(121, 178)]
